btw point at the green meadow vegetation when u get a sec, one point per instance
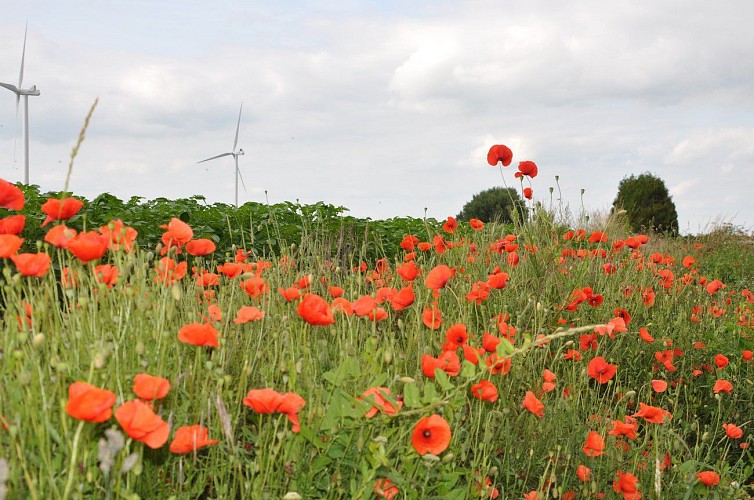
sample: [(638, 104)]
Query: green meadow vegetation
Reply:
[(173, 349)]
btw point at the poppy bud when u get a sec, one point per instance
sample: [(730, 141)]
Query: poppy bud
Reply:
[(38, 340)]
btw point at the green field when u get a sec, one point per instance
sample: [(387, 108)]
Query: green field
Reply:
[(382, 359)]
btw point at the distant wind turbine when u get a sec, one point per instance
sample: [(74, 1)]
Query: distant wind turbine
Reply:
[(19, 91), (235, 154)]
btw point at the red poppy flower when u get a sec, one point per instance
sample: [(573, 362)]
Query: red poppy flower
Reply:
[(315, 310), (32, 264), (404, 298), (714, 286), (56, 209), (200, 247), (119, 235), (549, 380), (455, 337), (248, 313), (380, 402), (448, 361), (450, 225), (291, 404), (528, 193), (659, 385), (627, 427), (490, 342), (528, 168), (255, 287), (485, 391), (200, 334), (290, 294), (11, 196), (476, 224), (149, 387), (722, 386), (499, 153), (60, 236), (177, 233), (190, 438), (601, 370), (721, 361), (583, 472), (107, 274), (89, 403), (384, 488), (533, 404), (733, 431), (708, 478), (168, 271), (431, 435), (88, 246), (438, 277), (652, 413), (594, 446), (13, 224), (498, 280), (263, 400), (335, 291), (142, 424), (9, 245), (627, 485), (432, 317)]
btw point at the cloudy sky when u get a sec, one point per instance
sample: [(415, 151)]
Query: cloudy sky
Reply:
[(387, 107)]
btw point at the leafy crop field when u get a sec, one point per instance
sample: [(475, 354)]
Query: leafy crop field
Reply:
[(458, 360)]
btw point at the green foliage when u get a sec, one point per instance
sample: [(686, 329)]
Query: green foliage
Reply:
[(647, 204), (263, 229), (494, 205)]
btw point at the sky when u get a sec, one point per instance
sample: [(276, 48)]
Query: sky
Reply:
[(387, 107)]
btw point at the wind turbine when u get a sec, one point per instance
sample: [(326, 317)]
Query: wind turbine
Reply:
[(235, 154), (19, 91)]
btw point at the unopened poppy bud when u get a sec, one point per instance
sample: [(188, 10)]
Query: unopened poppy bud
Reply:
[(630, 394), (621, 212), (299, 366), (139, 348), (400, 324), (387, 356), (380, 440), (24, 378), (551, 189), (38, 340), (583, 191), (99, 360), (406, 380), (539, 306), (428, 457), (292, 495), (705, 436), (293, 246), (176, 292), (448, 457)]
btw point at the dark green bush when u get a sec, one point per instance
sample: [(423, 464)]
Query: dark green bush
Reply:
[(647, 204), (494, 205)]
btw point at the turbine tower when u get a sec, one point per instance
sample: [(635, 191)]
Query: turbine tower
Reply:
[(20, 91), (235, 154)]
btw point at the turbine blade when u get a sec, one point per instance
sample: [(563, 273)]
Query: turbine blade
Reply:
[(23, 58), (10, 87), (215, 157), (238, 127)]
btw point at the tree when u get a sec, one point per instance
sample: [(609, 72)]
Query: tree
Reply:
[(493, 205), (647, 204)]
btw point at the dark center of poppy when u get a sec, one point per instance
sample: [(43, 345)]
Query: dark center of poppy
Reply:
[(427, 433)]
